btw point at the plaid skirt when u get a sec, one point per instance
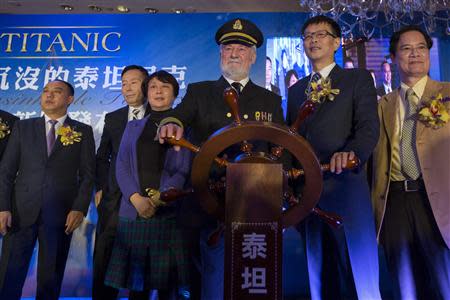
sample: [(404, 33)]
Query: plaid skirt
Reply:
[(149, 254)]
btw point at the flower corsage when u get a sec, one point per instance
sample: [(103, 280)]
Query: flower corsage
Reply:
[(322, 91), (4, 129), (68, 135), (434, 113)]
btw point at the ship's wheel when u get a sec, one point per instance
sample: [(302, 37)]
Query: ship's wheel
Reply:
[(286, 138)]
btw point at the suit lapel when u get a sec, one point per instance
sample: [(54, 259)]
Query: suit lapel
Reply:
[(390, 108), (58, 145), (335, 76), (219, 86), (123, 118), (248, 92), (41, 136)]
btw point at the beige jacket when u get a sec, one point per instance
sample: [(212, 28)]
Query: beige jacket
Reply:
[(433, 147)]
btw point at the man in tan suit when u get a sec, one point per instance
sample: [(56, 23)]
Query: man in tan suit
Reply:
[(412, 175)]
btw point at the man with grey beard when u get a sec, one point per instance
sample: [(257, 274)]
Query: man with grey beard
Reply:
[(204, 111)]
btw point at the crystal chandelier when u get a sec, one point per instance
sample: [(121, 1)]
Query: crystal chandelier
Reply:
[(369, 17)]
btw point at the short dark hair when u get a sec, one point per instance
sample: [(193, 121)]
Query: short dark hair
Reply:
[(288, 76), (135, 67), (383, 63), (396, 37), (162, 76), (268, 58), (69, 86), (323, 19)]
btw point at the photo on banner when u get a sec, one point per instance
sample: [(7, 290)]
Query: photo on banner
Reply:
[(288, 64)]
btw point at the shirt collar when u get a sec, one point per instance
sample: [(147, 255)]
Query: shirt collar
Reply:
[(60, 120), (141, 107), (325, 72), (418, 88), (243, 82)]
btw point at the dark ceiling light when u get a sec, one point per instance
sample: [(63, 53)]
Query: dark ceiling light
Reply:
[(151, 10), (122, 8), (95, 8), (66, 7)]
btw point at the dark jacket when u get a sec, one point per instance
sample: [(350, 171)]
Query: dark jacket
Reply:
[(176, 167), (31, 182)]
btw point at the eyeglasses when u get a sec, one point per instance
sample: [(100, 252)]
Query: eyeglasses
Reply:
[(408, 50), (321, 34)]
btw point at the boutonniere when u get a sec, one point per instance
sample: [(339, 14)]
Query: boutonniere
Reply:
[(433, 113), (322, 91), (154, 196), (68, 135), (4, 129)]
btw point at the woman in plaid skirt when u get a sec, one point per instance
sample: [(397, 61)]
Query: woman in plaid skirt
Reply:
[(150, 251)]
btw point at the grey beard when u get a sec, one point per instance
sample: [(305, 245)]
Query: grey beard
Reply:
[(234, 74)]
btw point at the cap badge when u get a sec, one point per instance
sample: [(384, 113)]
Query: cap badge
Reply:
[(237, 25)]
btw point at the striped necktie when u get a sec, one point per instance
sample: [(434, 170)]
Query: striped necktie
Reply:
[(135, 113), (315, 78)]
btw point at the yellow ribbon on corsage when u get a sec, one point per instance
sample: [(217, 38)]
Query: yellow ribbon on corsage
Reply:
[(154, 196), (4, 129), (68, 135), (434, 113), (321, 91)]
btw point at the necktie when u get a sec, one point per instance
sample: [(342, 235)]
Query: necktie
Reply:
[(408, 151), (135, 113), (237, 86), (51, 136), (315, 78)]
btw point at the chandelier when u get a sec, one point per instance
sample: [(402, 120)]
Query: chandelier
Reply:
[(369, 17)]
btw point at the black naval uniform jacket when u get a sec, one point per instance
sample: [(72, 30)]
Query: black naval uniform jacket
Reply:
[(204, 110)]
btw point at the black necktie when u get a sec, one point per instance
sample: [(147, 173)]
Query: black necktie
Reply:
[(237, 86)]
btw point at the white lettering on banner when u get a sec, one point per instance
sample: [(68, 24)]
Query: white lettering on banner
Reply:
[(254, 245), (151, 69), (52, 74), (28, 77), (112, 78), (4, 85), (98, 127), (178, 73), (82, 116), (25, 114), (254, 280), (85, 77)]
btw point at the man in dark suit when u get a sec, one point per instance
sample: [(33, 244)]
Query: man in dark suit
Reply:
[(341, 128), (269, 85), (386, 85), (108, 193), (6, 125), (46, 184), (204, 110)]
